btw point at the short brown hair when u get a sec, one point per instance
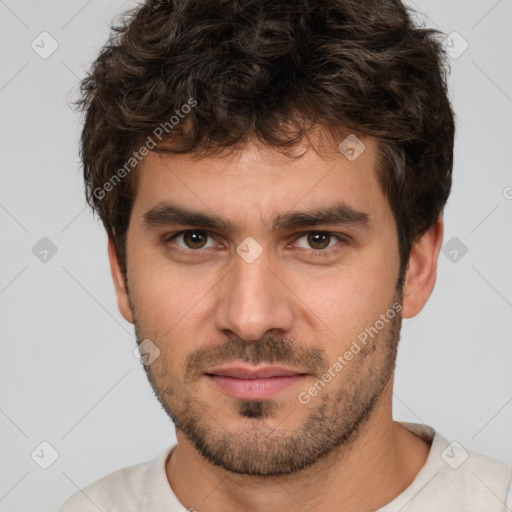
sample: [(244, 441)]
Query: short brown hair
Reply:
[(269, 70)]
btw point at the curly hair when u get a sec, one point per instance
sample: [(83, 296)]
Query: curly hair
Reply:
[(269, 70)]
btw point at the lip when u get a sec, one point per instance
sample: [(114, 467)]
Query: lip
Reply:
[(248, 383), (250, 372)]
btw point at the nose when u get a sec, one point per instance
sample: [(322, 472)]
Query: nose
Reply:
[(254, 299)]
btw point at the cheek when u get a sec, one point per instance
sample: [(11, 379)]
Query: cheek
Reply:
[(170, 303), (166, 303), (345, 300), (343, 303)]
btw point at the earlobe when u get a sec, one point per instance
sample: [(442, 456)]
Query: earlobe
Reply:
[(421, 273), (123, 300)]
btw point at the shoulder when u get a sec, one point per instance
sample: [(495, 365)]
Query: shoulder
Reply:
[(484, 475), (473, 481), (455, 478), (121, 490), (453, 461), (472, 471)]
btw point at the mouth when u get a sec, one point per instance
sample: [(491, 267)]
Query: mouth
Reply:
[(251, 383)]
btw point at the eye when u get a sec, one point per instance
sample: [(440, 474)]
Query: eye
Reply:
[(320, 241), (192, 239)]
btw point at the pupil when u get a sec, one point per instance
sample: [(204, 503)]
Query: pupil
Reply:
[(193, 239), (313, 236)]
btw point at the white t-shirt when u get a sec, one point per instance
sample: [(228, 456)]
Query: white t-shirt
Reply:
[(452, 480)]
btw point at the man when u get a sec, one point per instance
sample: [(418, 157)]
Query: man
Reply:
[(272, 176)]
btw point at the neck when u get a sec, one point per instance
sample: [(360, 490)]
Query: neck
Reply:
[(380, 462)]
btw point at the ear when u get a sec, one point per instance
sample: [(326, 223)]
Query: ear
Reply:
[(421, 273), (123, 301)]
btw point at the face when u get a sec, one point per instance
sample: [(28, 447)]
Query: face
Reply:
[(252, 283)]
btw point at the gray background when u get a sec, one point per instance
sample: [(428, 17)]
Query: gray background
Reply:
[(68, 373)]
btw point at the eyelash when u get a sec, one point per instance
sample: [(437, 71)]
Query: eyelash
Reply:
[(317, 252)]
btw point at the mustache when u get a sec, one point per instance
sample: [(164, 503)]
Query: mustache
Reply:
[(271, 350)]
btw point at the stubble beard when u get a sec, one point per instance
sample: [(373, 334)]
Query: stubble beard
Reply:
[(333, 420)]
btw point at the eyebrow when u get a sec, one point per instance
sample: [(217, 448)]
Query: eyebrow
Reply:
[(167, 213)]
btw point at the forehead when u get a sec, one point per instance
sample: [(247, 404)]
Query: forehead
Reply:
[(257, 183)]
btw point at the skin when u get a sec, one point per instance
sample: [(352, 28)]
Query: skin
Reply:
[(206, 309)]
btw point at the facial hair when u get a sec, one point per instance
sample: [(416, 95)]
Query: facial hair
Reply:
[(333, 419)]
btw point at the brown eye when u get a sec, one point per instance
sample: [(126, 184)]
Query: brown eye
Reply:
[(318, 240), (195, 239), (321, 243), (192, 239)]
